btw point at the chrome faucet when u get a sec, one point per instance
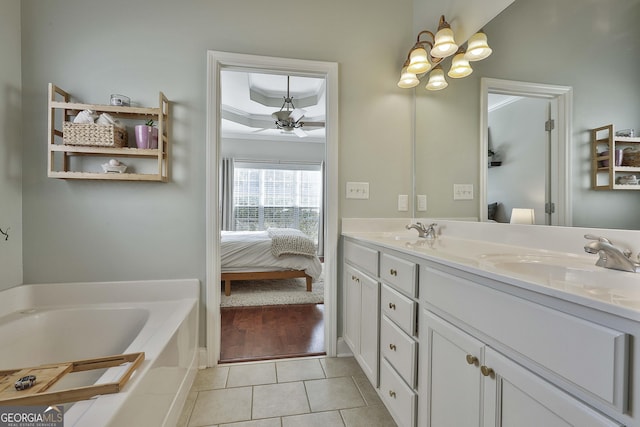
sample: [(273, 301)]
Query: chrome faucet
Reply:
[(609, 256), (426, 232)]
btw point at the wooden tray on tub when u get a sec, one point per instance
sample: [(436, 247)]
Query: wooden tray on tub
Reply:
[(48, 375)]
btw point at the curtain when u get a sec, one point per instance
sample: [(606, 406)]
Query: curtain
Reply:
[(322, 210), (226, 194)]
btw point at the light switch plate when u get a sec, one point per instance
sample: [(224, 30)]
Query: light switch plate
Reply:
[(357, 190), (462, 191), (422, 202), (403, 202)]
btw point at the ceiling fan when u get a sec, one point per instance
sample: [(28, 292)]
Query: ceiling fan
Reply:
[(289, 118)]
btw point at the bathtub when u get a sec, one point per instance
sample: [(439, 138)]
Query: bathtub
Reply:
[(48, 323)]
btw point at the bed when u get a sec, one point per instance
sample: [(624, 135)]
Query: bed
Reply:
[(275, 253)]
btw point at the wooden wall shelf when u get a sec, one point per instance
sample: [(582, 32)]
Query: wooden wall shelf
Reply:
[(59, 163), (604, 177)]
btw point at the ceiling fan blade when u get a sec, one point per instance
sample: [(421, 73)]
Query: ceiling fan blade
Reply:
[(299, 132), (297, 114), (313, 124)]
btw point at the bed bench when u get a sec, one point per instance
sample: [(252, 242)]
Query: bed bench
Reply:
[(263, 275)]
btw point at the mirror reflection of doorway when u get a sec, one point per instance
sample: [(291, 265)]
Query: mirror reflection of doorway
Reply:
[(522, 137), (525, 151)]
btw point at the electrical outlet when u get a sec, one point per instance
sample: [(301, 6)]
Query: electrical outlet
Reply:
[(462, 191), (357, 190), (403, 202), (422, 202)]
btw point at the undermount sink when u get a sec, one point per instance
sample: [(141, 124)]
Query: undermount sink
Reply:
[(569, 270), (573, 273)]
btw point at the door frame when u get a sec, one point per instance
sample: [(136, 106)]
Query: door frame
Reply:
[(561, 163), (216, 61)]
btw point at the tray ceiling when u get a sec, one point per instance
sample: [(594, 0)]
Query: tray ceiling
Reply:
[(249, 98)]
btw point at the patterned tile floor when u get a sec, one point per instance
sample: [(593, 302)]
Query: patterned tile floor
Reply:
[(310, 392)]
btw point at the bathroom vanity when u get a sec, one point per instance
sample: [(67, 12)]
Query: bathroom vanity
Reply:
[(486, 326)]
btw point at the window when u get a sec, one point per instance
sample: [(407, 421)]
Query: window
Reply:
[(266, 197)]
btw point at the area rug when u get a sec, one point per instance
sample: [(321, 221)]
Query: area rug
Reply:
[(272, 292)]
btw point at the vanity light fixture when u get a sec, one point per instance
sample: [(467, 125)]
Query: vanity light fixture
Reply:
[(443, 44), (407, 78), (477, 47), (459, 67), (437, 80), (426, 55)]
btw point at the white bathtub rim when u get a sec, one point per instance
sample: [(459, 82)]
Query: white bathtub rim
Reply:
[(182, 295), (103, 408), (26, 296)]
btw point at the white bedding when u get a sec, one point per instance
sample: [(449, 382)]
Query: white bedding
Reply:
[(243, 251)]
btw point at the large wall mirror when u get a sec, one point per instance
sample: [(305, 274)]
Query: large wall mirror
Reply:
[(589, 46)]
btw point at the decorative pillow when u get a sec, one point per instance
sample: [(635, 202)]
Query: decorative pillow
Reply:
[(493, 207)]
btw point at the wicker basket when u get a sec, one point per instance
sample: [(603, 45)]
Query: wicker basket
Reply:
[(92, 134), (631, 158)]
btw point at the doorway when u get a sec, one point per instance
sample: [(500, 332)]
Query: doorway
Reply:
[(555, 102), (216, 64)]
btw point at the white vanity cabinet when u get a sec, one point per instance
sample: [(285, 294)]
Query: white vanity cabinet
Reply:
[(465, 382), (398, 338), (362, 302), (450, 381), (463, 346), (516, 362)]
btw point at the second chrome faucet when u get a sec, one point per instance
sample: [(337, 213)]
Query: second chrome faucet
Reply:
[(610, 256), (428, 232)]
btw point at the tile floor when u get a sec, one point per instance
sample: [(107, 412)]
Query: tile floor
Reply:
[(310, 392)]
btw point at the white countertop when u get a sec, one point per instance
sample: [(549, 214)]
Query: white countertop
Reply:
[(523, 261)]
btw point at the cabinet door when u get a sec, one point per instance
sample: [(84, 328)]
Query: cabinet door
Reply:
[(369, 327), (450, 381), (514, 396), (352, 308)]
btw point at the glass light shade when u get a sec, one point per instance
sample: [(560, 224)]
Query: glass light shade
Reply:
[(407, 79), (477, 47), (418, 61), (437, 80), (459, 67), (444, 44)]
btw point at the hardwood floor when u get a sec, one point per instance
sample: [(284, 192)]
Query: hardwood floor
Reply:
[(271, 332)]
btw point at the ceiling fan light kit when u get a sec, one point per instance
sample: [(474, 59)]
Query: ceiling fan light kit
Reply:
[(289, 117), (425, 57)]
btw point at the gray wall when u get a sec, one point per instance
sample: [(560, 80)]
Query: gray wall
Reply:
[(76, 231), (10, 146), (591, 46)]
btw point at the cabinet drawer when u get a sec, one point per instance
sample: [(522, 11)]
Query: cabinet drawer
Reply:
[(399, 349), (399, 308), (365, 258), (399, 399), (399, 273), (580, 352)]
